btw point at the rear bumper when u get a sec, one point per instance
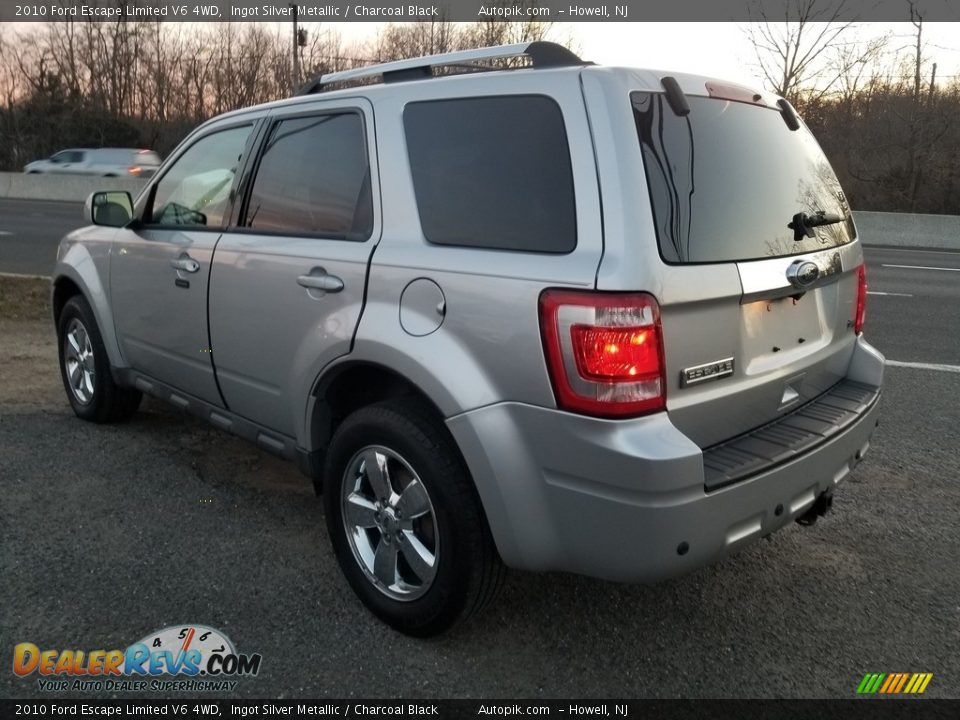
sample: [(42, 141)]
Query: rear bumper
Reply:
[(626, 500)]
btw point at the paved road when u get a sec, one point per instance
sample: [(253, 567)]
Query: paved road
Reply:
[(107, 533), (918, 319), (30, 231)]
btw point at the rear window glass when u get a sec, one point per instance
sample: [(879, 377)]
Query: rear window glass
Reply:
[(726, 180), (493, 172)]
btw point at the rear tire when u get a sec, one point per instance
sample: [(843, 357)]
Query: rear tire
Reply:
[(85, 368), (405, 520)]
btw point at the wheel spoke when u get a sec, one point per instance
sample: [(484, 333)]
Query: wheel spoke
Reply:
[(73, 370), (413, 501), (375, 465), (360, 511), (74, 343), (421, 560), (385, 564), (88, 384)]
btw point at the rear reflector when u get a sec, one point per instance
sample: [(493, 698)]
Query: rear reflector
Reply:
[(604, 352), (861, 315)]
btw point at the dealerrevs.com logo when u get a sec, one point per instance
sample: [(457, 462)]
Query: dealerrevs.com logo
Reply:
[(187, 658)]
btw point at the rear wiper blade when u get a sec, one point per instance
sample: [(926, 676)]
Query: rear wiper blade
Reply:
[(803, 224)]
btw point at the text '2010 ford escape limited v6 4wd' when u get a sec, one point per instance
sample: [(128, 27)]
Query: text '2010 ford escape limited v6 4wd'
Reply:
[(550, 317)]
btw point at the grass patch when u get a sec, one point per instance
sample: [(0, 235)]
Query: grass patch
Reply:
[(24, 299)]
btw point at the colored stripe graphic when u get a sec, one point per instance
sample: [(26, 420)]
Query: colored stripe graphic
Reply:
[(891, 682), (870, 683), (903, 681), (894, 683)]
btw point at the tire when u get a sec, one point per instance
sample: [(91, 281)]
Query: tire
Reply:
[(425, 598), (92, 392)]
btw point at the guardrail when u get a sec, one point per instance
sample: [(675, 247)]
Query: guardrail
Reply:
[(875, 228), (68, 188), (906, 230)]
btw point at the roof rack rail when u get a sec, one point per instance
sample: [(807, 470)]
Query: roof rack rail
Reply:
[(541, 53)]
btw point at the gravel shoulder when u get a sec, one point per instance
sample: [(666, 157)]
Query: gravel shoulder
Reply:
[(110, 532)]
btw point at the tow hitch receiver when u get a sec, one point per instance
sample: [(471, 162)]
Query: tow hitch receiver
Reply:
[(820, 507)]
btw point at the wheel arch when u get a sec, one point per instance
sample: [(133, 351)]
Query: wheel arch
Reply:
[(77, 273), (350, 385)]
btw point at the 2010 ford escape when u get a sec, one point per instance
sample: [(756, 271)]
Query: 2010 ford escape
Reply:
[(556, 317)]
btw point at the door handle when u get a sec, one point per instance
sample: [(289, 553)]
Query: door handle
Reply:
[(322, 281), (186, 264)]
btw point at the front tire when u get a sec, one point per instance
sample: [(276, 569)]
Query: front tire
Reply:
[(405, 521), (85, 368)]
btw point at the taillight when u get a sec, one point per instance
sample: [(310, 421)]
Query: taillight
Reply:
[(861, 299), (134, 170), (604, 352)]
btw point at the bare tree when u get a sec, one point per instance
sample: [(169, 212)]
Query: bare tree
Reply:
[(788, 49)]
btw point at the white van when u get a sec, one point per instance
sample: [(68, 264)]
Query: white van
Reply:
[(105, 162)]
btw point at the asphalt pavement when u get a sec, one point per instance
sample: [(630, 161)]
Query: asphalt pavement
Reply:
[(109, 533), (30, 231)]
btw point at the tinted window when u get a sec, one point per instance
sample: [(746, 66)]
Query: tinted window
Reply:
[(727, 179), (314, 178), (493, 173), (196, 189), (67, 156)]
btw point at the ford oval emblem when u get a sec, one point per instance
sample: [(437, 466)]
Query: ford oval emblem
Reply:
[(803, 273)]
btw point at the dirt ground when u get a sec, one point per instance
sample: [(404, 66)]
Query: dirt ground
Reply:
[(109, 532), (28, 340)]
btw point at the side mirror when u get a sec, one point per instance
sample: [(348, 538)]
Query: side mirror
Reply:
[(113, 208)]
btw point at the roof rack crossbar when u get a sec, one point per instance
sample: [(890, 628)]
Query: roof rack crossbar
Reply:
[(541, 53)]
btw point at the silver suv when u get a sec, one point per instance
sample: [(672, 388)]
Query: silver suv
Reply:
[(557, 317)]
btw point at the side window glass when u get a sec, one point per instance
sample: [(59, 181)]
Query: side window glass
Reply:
[(196, 189), (493, 172), (314, 178), (60, 157)]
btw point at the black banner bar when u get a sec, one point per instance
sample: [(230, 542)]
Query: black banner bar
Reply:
[(454, 10), (865, 709)]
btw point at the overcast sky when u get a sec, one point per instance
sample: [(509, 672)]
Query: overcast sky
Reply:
[(720, 50), (717, 49)]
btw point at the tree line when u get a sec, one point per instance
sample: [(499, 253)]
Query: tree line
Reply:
[(887, 123), (146, 84)]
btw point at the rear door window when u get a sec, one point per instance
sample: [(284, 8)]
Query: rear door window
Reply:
[(726, 180), (314, 178), (493, 172)]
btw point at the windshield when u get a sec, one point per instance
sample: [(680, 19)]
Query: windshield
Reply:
[(728, 181)]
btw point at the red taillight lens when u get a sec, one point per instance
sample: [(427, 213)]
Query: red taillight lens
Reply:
[(604, 352), (134, 170), (861, 299)]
